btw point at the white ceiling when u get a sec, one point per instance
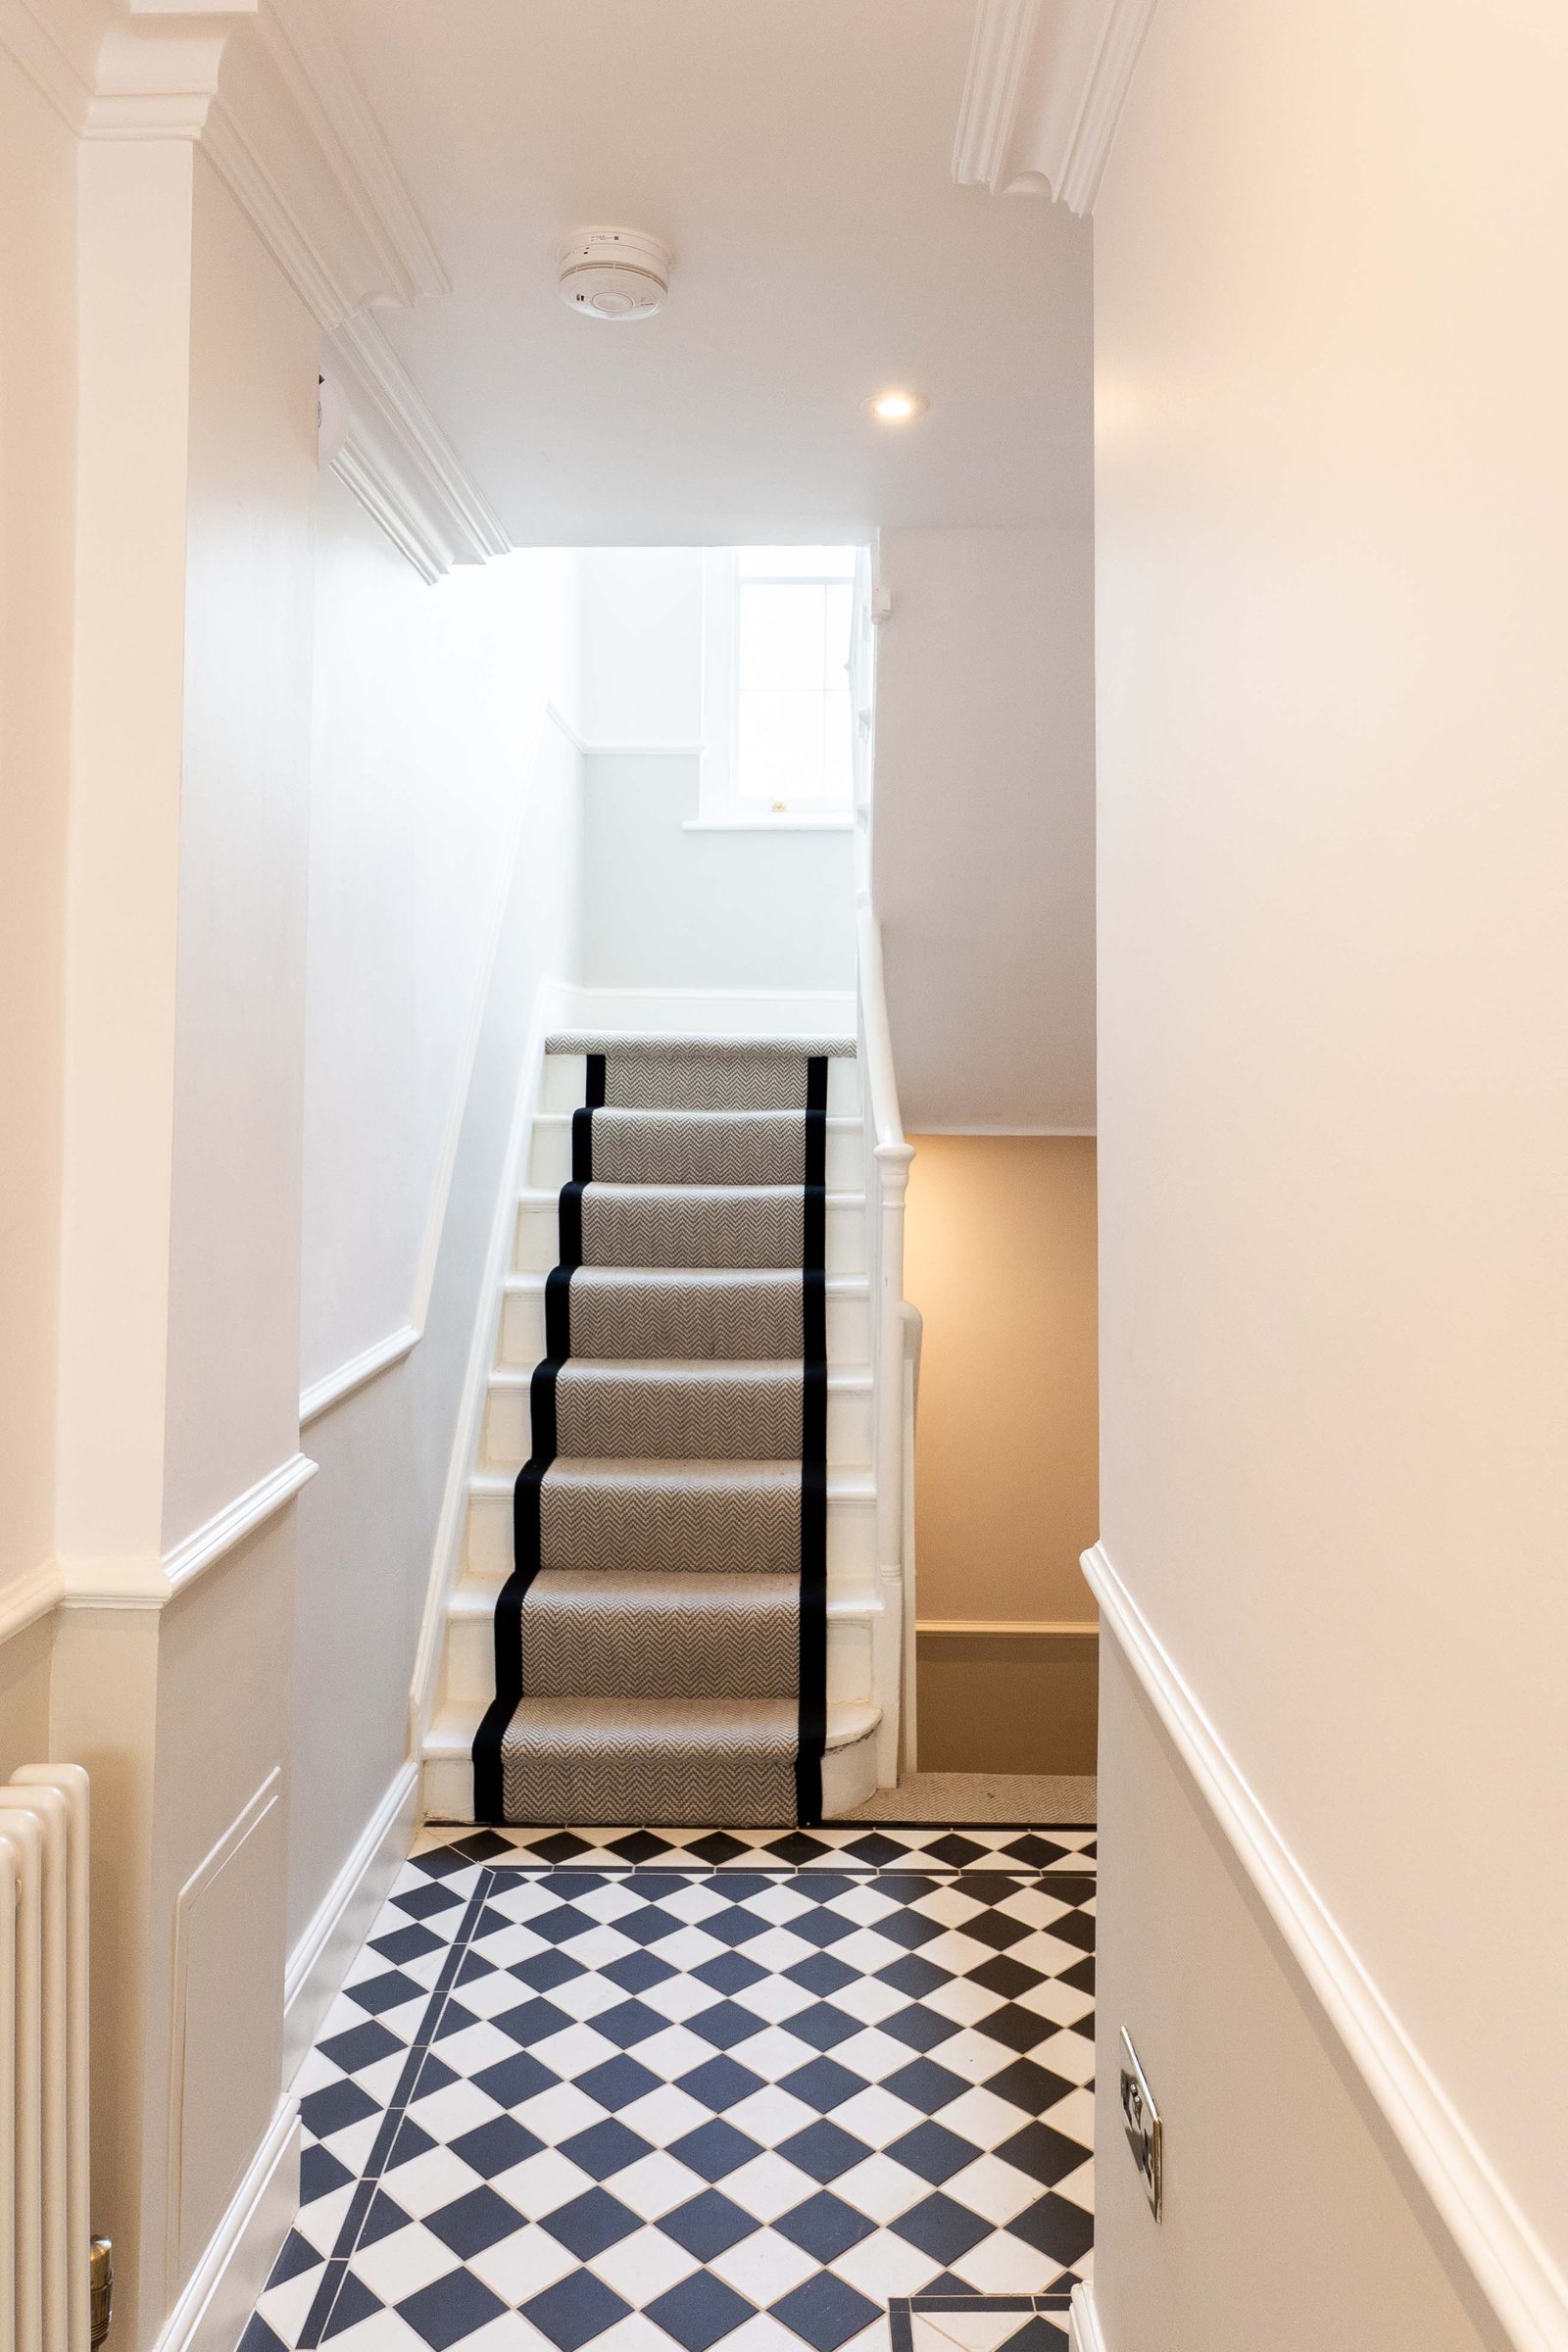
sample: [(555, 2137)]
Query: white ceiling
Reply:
[(797, 154)]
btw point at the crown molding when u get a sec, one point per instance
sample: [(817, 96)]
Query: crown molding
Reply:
[(292, 138), (1044, 94), (349, 141), (999, 59), (399, 464)]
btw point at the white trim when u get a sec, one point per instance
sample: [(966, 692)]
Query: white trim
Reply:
[(214, 1862), (399, 464), (349, 141), (1043, 95), (1022, 1629), (29, 1597), (135, 1582), (1002, 1134), (320, 1961), (767, 824), (999, 59), (235, 1520), (1510, 2265), (368, 1365), (220, 2292), (1084, 2331)]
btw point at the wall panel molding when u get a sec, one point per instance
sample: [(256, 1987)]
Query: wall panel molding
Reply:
[(319, 1960), (1510, 2265)]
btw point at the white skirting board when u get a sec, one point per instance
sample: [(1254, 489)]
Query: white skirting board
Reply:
[(320, 1961), (220, 2293), (1083, 2322)]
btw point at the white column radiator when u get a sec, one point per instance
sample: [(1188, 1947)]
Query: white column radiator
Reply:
[(45, 2230)]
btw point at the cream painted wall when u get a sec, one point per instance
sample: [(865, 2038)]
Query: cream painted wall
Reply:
[(37, 356), (1333, 498), (983, 839), (1000, 1260)]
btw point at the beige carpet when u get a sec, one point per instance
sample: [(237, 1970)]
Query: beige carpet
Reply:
[(1034, 1798)]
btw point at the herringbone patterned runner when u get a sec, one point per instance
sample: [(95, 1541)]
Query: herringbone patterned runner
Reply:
[(661, 1645)]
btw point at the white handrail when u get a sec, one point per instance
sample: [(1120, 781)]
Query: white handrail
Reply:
[(888, 1155)]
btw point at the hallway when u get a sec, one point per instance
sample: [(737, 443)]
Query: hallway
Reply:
[(686, 2088)]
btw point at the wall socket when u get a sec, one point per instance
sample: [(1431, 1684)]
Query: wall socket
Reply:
[(1139, 2119)]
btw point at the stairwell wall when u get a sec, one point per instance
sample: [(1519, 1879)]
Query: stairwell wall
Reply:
[(670, 907), (446, 884), (1332, 498)]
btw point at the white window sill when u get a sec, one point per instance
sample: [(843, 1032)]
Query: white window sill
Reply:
[(767, 824)]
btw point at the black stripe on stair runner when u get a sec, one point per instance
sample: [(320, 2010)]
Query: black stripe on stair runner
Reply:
[(489, 1799), (813, 1734)]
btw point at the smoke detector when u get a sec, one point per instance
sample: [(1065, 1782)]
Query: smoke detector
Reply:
[(613, 273)]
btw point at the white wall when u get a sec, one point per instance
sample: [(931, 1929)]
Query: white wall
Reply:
[(1331, 500), (668, 906), (446, 883), (983, 837), (428, 703)]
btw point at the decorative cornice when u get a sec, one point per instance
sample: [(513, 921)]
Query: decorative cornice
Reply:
[(1044, 94), (295, 143), (999, 58), (400, 464), (1508, 2262), (349, 140)]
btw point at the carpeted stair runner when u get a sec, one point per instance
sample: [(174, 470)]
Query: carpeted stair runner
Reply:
[(661, 1645)]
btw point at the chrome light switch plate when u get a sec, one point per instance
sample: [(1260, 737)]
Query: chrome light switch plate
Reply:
[(1141, 2121)]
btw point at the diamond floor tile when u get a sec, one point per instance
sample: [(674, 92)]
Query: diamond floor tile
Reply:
[(760, 2090)]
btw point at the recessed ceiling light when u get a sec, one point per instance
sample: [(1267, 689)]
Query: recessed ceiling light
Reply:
[(895, 408)]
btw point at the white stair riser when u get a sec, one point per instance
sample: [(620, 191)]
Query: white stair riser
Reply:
[(509, 1427), (538, 1236), (549, 1159), (523, 1329), (471, 1659), (566, 1082), (851, 1541)]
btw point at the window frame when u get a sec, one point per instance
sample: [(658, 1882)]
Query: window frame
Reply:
[(721, 806)]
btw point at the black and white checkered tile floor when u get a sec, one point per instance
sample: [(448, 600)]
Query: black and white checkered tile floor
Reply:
[(766, 2090)]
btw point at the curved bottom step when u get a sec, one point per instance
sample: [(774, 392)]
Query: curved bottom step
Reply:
[(654, 1776)]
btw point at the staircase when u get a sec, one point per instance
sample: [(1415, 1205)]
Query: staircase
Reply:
[(664, 1610)]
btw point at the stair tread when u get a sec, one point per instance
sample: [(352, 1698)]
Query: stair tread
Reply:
[(689, 1049)]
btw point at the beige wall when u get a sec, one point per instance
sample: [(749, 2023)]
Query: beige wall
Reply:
[(37, 355), (1000, 1260), (1333, 499)]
